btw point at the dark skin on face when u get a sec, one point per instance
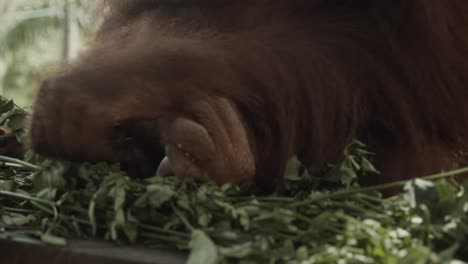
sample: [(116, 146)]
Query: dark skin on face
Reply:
[(234, 88)]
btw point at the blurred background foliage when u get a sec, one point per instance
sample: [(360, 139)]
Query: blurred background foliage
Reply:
[(37, 37)]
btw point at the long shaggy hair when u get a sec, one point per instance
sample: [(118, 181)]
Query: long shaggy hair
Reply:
[(263, 80)]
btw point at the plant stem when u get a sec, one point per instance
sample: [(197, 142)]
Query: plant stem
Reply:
[(26, 197), (25, 164), (182, 217), (342, 193), (162, 230), (18, 210), (178, 241)]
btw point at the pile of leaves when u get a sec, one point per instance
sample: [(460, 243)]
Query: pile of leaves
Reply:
[(305, 223)]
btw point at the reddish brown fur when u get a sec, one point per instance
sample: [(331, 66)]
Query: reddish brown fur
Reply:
[(267, 79)]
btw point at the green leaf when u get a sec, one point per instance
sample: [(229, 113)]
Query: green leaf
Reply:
[(158, 194), (203, 250), (53, 240), (237, 251), (421, 192), (368, 167), (12, 220), (16, 122), (6, 107)]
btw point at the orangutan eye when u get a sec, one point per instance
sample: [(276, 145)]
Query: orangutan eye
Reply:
[(186, 154), (177, 162)]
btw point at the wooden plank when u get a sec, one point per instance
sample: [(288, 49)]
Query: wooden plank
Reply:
[(16, 251)]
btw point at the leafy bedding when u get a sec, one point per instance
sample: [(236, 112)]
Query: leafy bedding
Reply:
[(313, 220)]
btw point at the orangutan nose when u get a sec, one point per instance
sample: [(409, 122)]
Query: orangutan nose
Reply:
[(165, 168), (177, 162)]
